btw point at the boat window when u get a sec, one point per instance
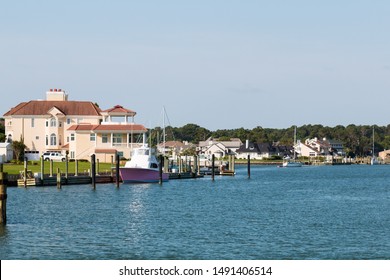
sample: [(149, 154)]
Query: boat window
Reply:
[(153, 165)]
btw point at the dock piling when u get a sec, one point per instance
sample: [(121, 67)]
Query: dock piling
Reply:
[(117, 171), (160, 170), (58, 178), (195, 171), (76, 167), (212, 167), (112, 165), (25, 173), (51, 168), (93, 170), (3, 197), (42, 170), (249, 166), (66, 165)]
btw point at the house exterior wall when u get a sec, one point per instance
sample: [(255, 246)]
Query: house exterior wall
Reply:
[(245, 155), (42, 133), (53, 124), (306, 151)]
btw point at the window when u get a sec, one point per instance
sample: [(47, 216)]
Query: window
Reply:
[(104, 138), (36, 137), (72, 154), (68, 121), (53, 140), (32, 122), (47, 123), (72, 137), (92, 137), (47, 140), (53, 122), (117, 138)]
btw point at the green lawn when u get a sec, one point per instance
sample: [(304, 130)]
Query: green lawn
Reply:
[(35, 166)]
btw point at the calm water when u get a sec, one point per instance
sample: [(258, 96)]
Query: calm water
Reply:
[(328, 212)]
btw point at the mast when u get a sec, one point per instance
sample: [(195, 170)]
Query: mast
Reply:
[(373, 142), (164, 130)]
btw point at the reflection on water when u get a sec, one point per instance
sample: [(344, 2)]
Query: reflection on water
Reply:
[(306, 213)]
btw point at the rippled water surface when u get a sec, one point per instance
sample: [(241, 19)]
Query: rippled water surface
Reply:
[(327, 212)]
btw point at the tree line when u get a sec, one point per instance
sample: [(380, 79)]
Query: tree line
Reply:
[(356, 139)]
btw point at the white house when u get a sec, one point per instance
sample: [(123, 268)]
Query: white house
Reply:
[(219, 148)]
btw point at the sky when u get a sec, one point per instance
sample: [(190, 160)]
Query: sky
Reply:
[(218, 64)]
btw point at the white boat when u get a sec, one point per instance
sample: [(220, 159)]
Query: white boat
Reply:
[(143, 167), (374, 160), (291, 162)]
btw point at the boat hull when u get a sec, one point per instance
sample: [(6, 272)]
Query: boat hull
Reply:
[(141, 175), (292, 164)]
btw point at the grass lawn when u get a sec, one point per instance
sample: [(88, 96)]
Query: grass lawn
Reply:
[(35, 166)]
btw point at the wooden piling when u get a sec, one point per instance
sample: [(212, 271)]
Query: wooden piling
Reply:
[(198, 165), (25, 173), (76, 167), (51, 168), (195, 165), (93, 170), (233, 164), (117, 171), (97, 166), (3, 197), (66, 165), (212, 167), (58, 178), (42, 170), (249, 166), (160, 170), (112, 166)]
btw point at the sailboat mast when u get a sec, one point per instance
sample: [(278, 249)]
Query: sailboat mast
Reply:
[(373, 142), (164, 130)]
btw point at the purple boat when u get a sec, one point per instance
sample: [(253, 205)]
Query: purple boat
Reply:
[(142, 168)]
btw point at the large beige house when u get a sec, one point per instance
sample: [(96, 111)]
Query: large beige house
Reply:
[(78, 127)]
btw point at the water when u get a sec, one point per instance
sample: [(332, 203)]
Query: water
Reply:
[(327, 212)]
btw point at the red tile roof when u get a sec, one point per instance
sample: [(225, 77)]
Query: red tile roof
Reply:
[(119, 109), (41, 107)]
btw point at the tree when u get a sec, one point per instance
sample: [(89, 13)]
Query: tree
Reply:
[(18, 148), (2, 130)]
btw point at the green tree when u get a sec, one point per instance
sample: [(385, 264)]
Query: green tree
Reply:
[(18, 148)]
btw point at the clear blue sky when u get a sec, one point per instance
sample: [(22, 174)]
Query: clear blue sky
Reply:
[(218, 64)]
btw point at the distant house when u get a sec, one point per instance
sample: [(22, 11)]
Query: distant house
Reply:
[(219, 148), (319, 147), (6, 152), (384, 155), (174, 148), (262, 151), (305, 150)]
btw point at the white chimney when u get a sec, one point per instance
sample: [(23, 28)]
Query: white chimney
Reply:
[(247, 144), (56, 95)]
